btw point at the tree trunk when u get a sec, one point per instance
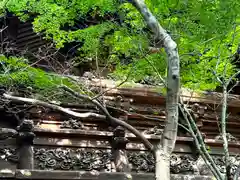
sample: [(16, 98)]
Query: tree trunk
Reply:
[(167, 143), (162, 166), (224, 134)]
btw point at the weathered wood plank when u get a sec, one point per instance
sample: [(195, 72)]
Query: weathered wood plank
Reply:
[(7, 173), (77, 143), (68, 175)]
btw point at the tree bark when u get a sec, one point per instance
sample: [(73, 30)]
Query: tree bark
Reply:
[(224, 134), (162, 165), (162, 39)]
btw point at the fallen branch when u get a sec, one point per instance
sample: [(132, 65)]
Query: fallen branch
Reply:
[(83, 115)]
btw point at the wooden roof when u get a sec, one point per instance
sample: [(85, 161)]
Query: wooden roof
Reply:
[(145, 108)]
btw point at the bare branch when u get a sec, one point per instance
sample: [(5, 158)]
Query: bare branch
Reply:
[(232, 77), (100, 78), (118, 85), (53, 106), (159, 75), (83, 115), (236, 84), (112, 119)]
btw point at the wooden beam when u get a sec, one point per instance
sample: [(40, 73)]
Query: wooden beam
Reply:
[(68, 175)]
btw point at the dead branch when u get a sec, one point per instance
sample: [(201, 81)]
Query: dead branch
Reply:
[(52, 106), (83, 115), (112, 119), (109, 89)]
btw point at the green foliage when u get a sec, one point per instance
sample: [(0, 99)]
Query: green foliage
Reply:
[(52, 18), (15, 73), (207, 34), (2, 7)]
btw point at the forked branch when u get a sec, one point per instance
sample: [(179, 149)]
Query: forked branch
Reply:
[(108, 115), (83, 115)]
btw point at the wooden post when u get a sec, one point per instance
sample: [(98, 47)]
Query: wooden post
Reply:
[(25, 145), (119, 153)]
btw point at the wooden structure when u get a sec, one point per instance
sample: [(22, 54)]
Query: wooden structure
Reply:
[(45, 144), (51, 145)]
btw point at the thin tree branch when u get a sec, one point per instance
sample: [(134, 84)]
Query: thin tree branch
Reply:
[(109, 89), (197, 143), (100, 79), (155, 69), (224, 132), (83, 115), (112, 119), (230, 90), (200, 141), (53, 106), (232, 77)]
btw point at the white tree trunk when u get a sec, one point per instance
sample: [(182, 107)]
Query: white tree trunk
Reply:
[(224, 134), (162, 166), (162, 39)]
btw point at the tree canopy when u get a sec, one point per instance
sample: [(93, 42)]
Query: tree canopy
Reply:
[(114, 33)]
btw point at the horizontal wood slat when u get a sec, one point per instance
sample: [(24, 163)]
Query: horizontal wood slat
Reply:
[(68, 175)]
